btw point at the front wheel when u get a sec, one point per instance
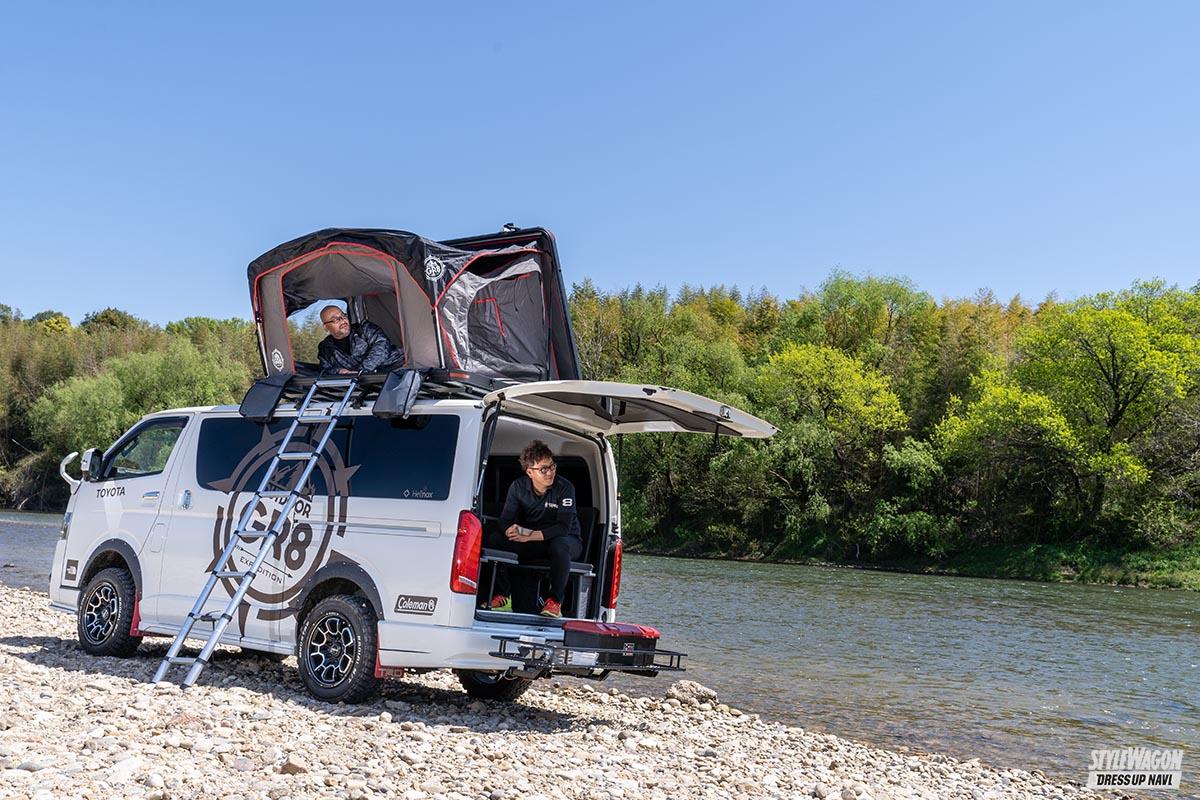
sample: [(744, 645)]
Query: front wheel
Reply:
[(336, 651), (491, 685), (105, 616)]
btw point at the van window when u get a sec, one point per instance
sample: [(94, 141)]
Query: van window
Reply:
[(406, 459), (233, 453), (410, 458), (144, 450)]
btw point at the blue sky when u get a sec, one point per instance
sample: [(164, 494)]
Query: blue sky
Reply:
[(148, 152)]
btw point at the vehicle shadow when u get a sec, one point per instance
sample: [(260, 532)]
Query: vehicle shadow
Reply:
[(406, 701)]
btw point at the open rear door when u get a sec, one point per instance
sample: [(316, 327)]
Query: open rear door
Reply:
[(612, 408)]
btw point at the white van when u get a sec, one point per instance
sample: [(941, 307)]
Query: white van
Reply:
[(379, 567)]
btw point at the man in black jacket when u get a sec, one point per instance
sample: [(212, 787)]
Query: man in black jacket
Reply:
[(539, 520), (363, 347)]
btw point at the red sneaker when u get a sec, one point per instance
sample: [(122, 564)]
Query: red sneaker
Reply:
[(501, 602), (552, 608)]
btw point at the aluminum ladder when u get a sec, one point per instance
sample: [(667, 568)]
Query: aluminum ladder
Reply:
[(268, 488)]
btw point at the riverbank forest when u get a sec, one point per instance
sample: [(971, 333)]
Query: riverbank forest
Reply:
[(980, 436)]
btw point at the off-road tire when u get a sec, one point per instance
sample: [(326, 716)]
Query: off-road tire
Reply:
[(491, 685), (336, 649), (105, 615)]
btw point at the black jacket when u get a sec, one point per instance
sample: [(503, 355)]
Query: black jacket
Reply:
[(554, 513), (367, 348)]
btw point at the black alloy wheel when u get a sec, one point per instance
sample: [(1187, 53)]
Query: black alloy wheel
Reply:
[(336, 653), (105, 616)]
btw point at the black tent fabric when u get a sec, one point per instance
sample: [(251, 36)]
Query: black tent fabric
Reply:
[(493, 305)]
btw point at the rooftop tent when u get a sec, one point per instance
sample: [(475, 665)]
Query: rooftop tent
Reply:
[(493, 305)]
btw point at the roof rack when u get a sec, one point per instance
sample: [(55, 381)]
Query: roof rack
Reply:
[(265, 397)]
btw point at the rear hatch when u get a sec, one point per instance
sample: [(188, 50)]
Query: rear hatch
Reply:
[(607, 408)]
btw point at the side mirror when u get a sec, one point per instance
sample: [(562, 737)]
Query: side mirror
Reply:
[(90, 464), (62, 470)]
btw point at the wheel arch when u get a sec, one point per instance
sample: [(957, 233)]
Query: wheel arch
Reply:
[(338, 577), (113, 553)]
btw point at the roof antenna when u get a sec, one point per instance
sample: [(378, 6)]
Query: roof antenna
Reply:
[(510, 228)]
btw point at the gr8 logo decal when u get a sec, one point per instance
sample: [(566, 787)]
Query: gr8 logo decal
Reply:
[(305, 535)]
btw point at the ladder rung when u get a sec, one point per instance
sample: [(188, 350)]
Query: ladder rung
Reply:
[(181, 660), (251, 535), (315, 419), (275, 493), (297, 455), (326, 383), (211, 616), (230, 573)]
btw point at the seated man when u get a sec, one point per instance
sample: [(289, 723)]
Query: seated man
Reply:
[(348, 349), (538, 521)]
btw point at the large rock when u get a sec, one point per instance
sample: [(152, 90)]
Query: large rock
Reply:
[(690, 690)]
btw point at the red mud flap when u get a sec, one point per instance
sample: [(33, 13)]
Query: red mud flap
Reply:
[(386, 673), (590, 647)]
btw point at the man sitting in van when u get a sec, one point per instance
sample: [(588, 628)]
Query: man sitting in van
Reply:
[(538, 521), (362, 347)]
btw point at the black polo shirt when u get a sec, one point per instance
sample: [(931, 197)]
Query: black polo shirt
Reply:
[(554, 513)]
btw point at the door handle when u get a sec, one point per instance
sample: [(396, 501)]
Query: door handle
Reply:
[(185, 499), (149, 495)]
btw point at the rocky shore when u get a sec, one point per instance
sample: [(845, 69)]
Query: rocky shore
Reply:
[(74, 726)]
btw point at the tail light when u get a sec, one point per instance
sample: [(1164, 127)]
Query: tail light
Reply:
[(464, 572), (614, 576)]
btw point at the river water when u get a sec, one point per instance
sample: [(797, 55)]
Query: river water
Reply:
[(1019, 674)]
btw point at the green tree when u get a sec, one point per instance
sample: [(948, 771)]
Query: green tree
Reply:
[(41, 316), (234, 338), (1016, 459), (1115, 375), (58, 323), (110, 318), (834, 415), (93, 411)]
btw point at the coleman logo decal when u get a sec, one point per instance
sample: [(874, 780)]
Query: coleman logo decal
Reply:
[(434, 268), (416, 604), (305, 534), (277, 359)]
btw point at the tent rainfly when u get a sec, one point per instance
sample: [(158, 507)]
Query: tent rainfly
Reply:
[(492, 305)]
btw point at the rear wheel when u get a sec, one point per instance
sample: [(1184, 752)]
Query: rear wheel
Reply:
[(336, 651), (105, 616), (491, 685)]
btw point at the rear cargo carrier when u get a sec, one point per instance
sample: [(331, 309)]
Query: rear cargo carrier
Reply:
[(591, 649)]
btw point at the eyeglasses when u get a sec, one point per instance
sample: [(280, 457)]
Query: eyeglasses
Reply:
[(334, 320), (546, 470)]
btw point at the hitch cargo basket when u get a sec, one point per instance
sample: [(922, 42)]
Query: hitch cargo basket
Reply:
[(584, 652)]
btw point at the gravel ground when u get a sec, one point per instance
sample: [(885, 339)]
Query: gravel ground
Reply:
[(75, 726)]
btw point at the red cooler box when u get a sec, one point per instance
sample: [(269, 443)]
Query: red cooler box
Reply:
[(618, 644)]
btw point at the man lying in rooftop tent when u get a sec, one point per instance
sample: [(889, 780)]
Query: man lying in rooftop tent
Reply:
[(352, 348)]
